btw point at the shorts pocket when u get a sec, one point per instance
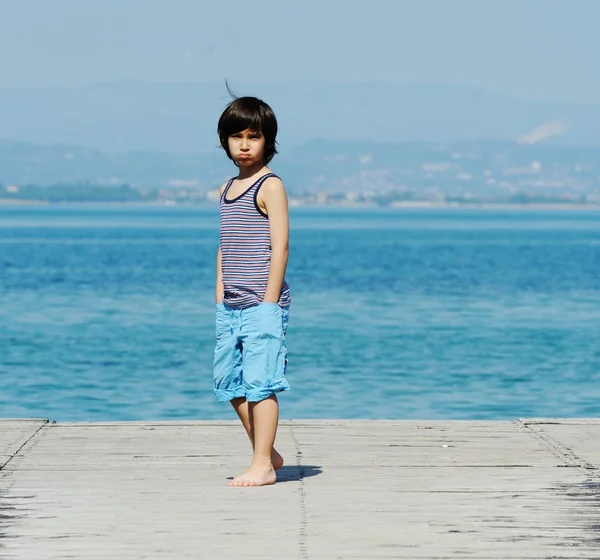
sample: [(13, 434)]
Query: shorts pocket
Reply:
[(269, 320), (221, 320)]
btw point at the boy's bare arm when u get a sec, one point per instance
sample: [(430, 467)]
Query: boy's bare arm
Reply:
[(219, 289), (219, 285), (274, 199)]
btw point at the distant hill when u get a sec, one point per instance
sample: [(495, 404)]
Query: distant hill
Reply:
[(181, 117), (476, 167), (22, 162)]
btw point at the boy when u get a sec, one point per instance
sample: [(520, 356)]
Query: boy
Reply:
[(252, 295)]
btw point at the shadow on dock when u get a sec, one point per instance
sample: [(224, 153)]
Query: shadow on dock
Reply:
[(294, 473)]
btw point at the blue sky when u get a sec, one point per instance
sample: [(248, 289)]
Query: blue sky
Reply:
[(533, 49)]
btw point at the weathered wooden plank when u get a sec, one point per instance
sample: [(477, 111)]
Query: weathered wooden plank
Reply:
[(14, 434), (578, 440), (350, 489)]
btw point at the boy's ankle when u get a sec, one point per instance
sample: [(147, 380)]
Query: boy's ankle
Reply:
[(261, 463)]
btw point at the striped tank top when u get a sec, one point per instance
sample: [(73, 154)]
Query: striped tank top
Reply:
[(246, 248)]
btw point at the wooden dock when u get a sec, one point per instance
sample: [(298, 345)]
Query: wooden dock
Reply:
[(351, 489)]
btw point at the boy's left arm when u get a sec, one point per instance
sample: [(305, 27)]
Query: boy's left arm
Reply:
[(274, 199)]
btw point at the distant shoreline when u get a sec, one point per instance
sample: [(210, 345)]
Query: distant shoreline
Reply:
[(495, 206), (399, 205)]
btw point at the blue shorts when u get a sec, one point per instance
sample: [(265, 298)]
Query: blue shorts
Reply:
[(251, 353)]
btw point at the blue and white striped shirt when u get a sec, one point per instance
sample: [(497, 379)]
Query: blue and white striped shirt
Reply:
[(246, 248)]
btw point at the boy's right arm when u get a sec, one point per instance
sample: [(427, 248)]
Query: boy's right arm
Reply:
[(219, 289)]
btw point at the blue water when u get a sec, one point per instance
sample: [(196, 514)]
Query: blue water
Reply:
[(107, 314)]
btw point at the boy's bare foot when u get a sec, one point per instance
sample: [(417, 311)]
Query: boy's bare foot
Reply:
[(276, 459), (255, 476)]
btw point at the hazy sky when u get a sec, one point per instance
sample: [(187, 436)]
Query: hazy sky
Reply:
[(536, 49)]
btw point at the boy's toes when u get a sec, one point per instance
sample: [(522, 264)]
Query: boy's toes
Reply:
[(255, 477)]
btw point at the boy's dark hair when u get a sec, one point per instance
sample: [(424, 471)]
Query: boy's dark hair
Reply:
[(248, 113)]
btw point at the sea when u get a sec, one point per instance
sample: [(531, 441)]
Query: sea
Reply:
[(107, 313)]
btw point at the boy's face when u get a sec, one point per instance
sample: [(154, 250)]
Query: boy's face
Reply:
[(247, 147)]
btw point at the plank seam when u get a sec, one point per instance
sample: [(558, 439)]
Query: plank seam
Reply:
[(302, 533), (41, 427), (560, 450)]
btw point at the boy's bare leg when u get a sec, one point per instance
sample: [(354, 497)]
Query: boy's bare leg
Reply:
[(265, 416), (242, 409)]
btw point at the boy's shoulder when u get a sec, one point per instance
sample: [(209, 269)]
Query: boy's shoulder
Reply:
[(272, 196), (272, 188), (273, 183), (224, 186)]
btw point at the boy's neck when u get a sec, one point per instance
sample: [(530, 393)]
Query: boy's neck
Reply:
[(252, 170)]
